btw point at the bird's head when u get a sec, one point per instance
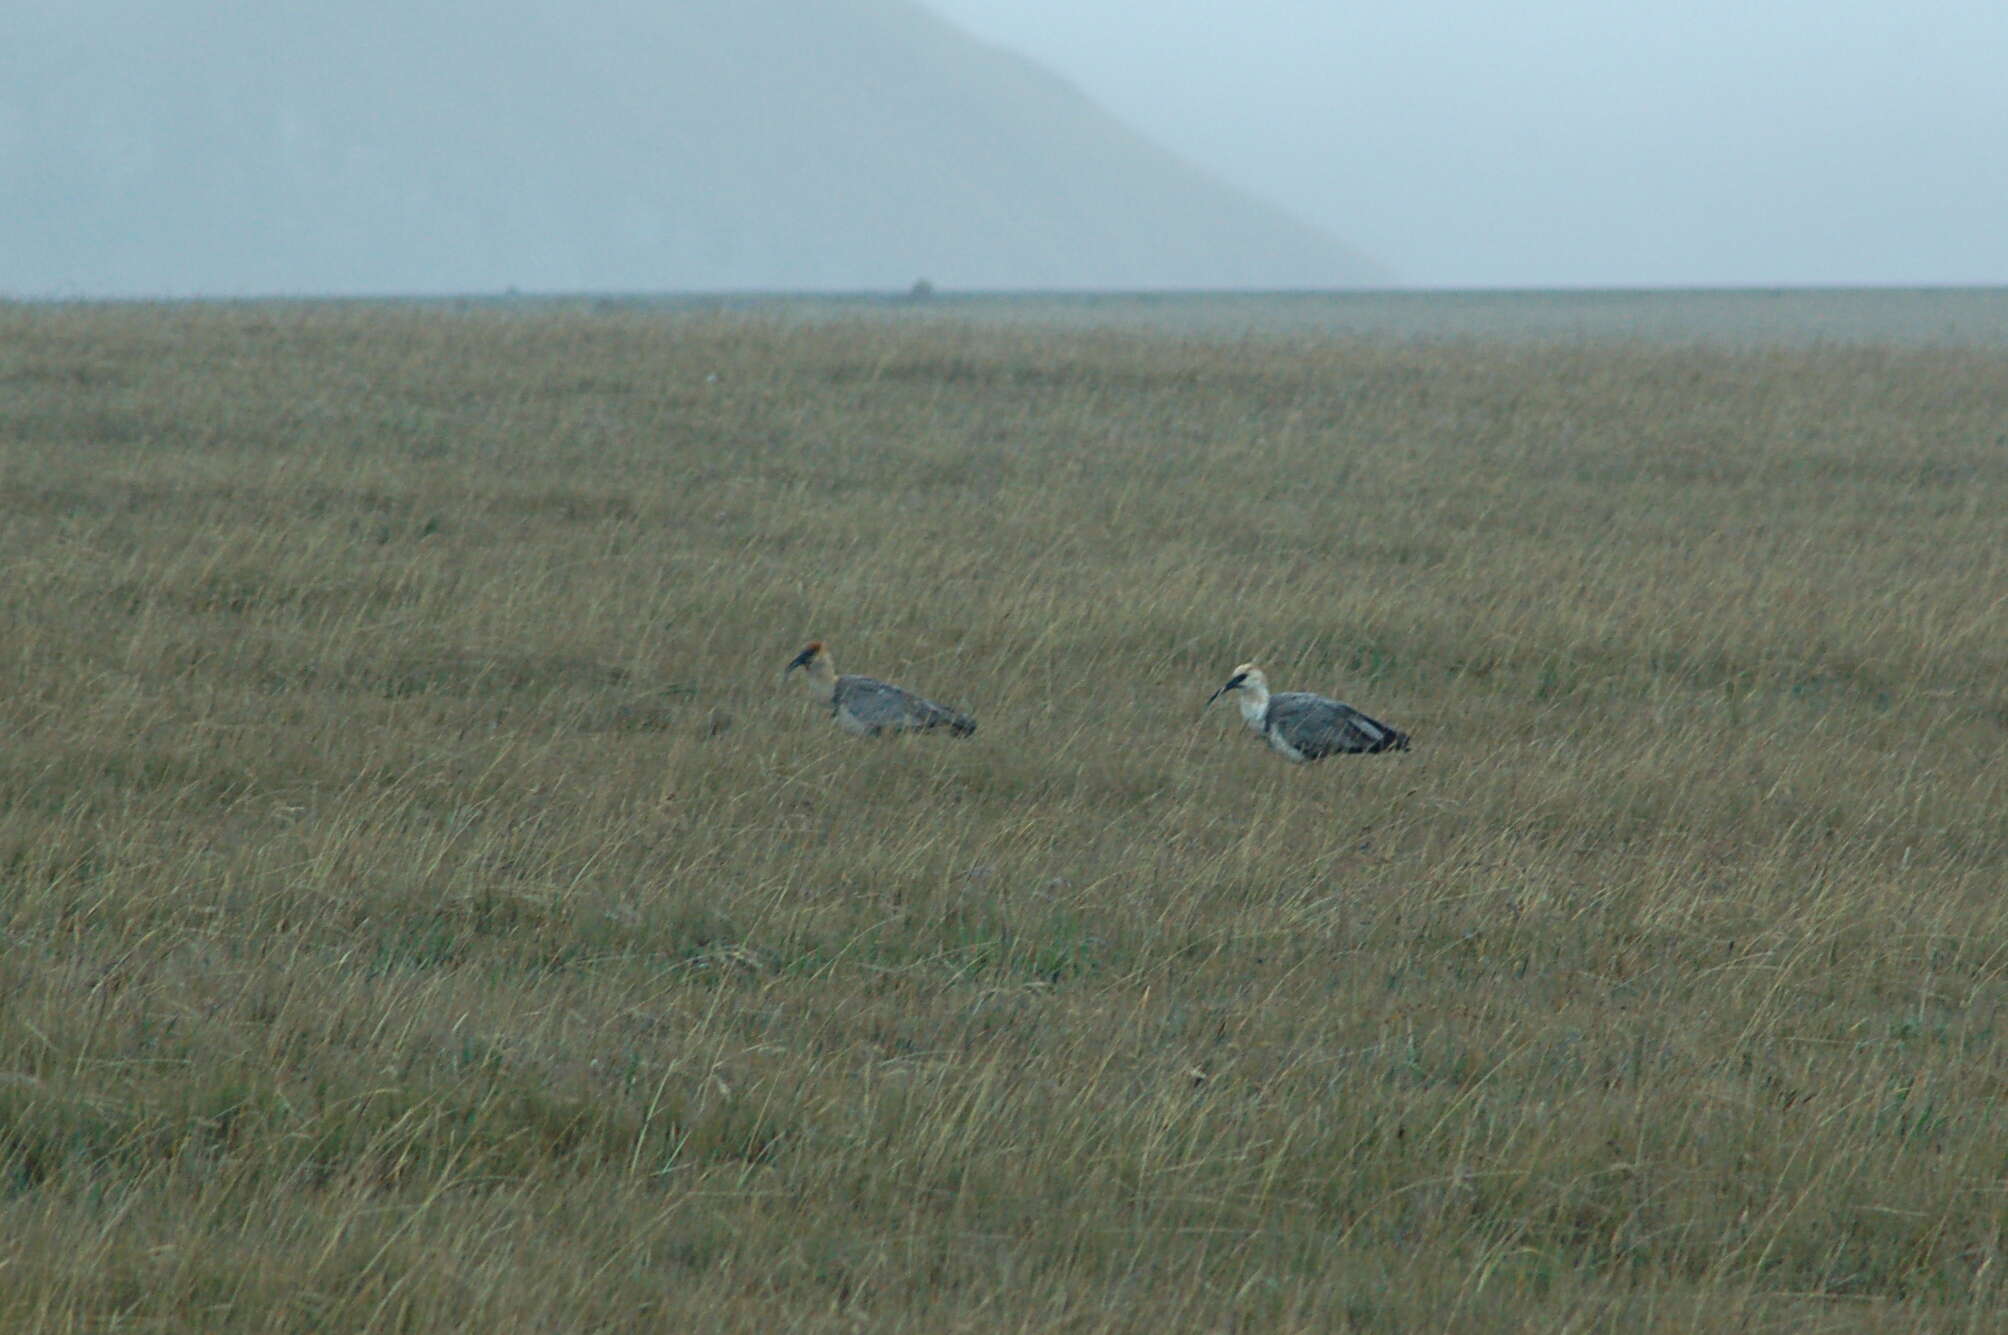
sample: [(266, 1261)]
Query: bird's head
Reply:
[(1246, 677), (811, 653)]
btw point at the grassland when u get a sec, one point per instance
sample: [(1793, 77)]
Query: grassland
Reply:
[(1748, 318), (425, 907)]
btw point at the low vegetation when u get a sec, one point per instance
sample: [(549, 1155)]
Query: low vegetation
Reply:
[(423, 905)]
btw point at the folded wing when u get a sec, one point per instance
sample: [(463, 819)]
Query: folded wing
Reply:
[(1316, 727), (866, 705)]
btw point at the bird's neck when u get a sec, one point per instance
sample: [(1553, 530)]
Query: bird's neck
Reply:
[(1253, 698), (821, 674)]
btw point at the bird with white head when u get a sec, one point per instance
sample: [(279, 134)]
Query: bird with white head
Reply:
[(1301, 726)]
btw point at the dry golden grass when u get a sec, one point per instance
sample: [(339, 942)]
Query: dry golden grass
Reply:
[(425, 906)]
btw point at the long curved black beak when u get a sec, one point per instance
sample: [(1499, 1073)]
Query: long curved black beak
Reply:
[(800, 660), (1233, 684)]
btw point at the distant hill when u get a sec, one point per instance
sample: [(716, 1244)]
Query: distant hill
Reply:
[(297, 146)]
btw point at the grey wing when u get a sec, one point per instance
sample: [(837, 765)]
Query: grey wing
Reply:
[(1320, 727), (873, 704), (882, 707)]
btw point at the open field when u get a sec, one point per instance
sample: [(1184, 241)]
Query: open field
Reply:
[(1746, 318), (426, 907)]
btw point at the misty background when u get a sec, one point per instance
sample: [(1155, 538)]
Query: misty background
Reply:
[(207, 147), (1578, 142)]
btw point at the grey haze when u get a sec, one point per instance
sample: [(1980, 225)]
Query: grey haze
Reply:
[(1578, 142), (210, 147)]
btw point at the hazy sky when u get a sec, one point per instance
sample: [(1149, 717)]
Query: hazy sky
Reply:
[(1576, 142)]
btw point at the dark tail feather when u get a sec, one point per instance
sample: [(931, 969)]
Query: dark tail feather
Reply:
[(1391, 739), (941, 716)]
